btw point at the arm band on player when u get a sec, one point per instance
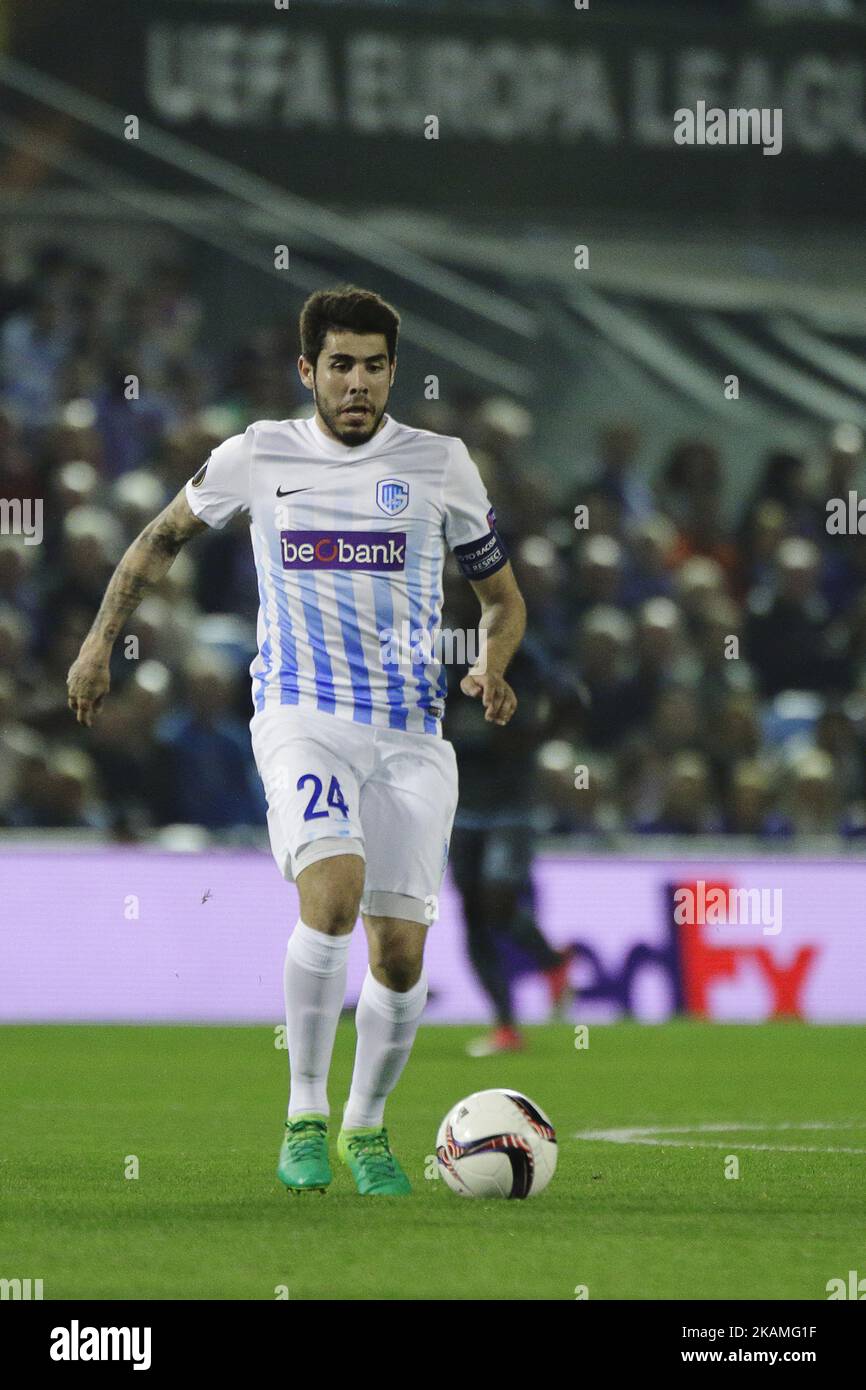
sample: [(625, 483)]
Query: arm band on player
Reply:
[(483, 557)]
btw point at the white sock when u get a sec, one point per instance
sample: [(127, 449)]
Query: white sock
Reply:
[(314, 981), (386, 1022)]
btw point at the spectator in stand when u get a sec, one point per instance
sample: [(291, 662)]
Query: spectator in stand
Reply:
[(205, 769), (697, 582), (837, 735), (735, 734), (28, 801), (650, 546), (838, 474), (722, 667), (34, 347), (687, 807), (661, 657), (767, 526), (568, 809), (788, 634), (599, 574), (691, 473), (748, 804), (689, 490), (123, 744), (814, 800), (604, 650), (614, 478), (784, 487)]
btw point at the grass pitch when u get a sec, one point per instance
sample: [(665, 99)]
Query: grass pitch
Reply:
[(201, 1109)]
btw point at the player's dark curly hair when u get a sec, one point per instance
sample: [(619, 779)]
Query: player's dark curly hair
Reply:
[(346, 307)]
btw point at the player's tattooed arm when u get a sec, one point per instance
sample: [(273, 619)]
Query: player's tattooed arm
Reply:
[(144, 564), (501, 629)]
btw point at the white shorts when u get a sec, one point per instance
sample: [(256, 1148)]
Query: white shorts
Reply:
[(337, 787)]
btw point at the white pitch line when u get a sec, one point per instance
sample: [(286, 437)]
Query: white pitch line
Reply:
[(650, 1135)]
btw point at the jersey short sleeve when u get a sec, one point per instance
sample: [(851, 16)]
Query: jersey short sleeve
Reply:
[(470, 521), (221, 487)]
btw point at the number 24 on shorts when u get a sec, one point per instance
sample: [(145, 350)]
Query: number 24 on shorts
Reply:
[(334, 797)]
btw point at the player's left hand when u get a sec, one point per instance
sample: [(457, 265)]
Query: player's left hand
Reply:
[(499, 699)]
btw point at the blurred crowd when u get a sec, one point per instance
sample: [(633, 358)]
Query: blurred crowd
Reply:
[(690, 672), (685, 672)]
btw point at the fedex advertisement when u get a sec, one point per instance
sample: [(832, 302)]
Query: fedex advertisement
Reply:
[(143, 935)]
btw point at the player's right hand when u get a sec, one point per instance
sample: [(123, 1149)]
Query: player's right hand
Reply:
[(88, 683)]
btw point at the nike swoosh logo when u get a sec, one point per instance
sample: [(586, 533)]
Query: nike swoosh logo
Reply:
[(291, 490)]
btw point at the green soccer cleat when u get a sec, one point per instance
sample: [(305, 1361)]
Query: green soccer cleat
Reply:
[(373, 1166), (303, 1164)]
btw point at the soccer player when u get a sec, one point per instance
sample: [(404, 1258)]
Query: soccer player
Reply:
[(350, 513), (493, 845)]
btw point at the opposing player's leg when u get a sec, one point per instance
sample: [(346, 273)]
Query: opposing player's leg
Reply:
[(467, 870), (504, 904)]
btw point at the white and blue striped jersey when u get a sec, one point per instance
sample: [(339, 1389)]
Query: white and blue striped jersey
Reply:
[(349, 545)]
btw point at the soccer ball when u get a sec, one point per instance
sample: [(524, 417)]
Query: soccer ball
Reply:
[(496, 1144)]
